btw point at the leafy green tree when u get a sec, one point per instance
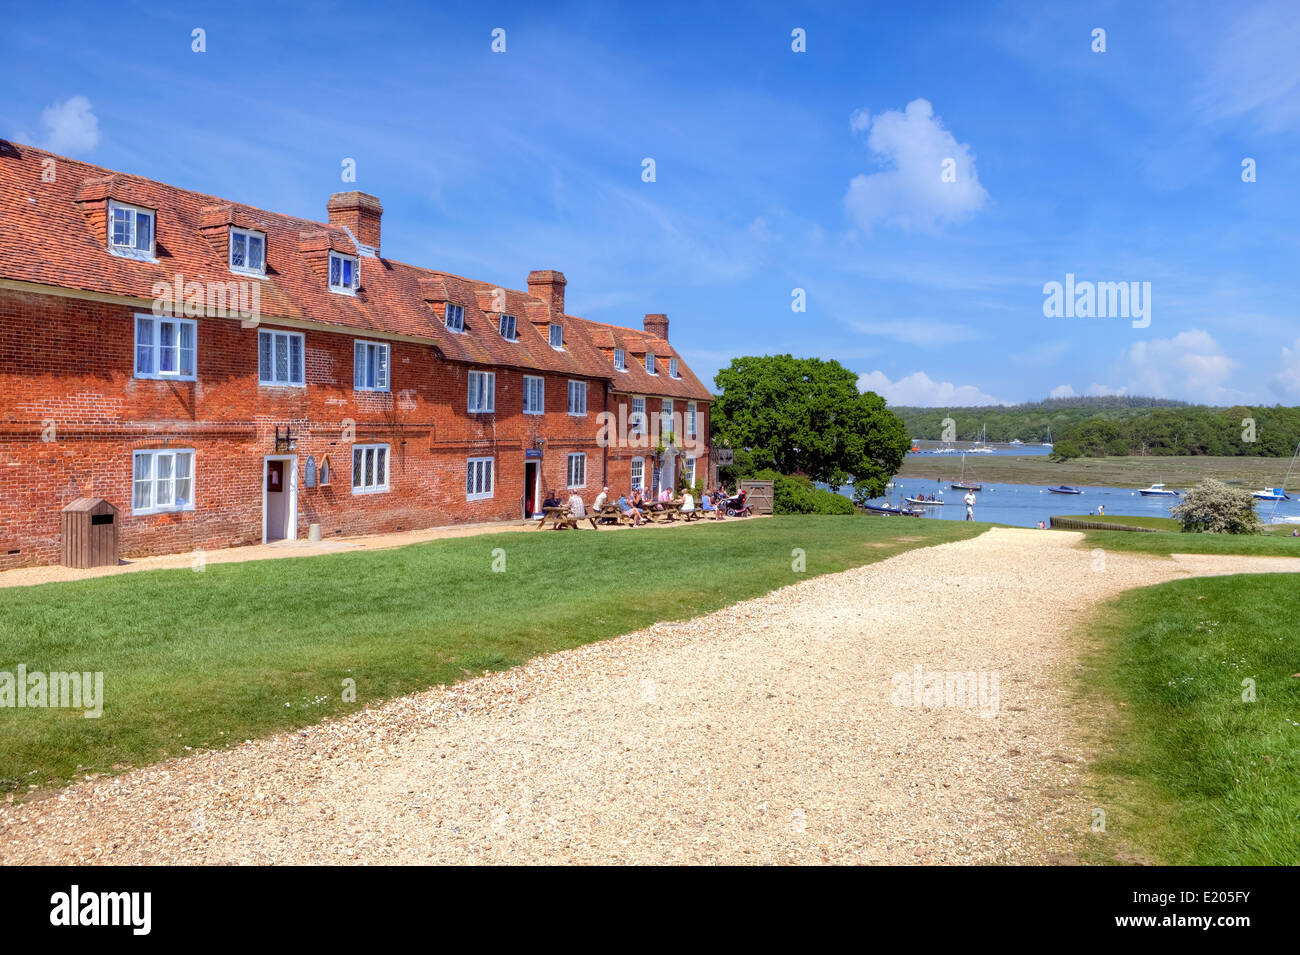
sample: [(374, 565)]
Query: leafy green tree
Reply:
[(806, 416), (1213, 507), (1064, 450)]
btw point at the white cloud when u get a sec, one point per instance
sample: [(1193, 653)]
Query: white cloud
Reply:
[(1061, 391), (1097, 390), (70, 127), (913, 193), (920, 390), (1287, 381), (1191, 366)]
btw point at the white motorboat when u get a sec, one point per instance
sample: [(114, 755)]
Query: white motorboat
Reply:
[(1157, 490)]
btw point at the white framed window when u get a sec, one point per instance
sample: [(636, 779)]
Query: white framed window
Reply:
[(247, 251), (637, 420), (165, 347), (280, 358), (482, 391), (369, 366), (638, 475), (369, 468), (690, 419), (688, 472), (130, 231), (455, 319), (162, 481), (620, 360), (478, 479), (672, 368), (345, 273), (666, 416), (508, 326), (556, 333), (534, 394), (650, 363), (577, 471), (577, 397)]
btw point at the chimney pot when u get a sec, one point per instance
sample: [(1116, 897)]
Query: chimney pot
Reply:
[(358, 212), (656, 324)]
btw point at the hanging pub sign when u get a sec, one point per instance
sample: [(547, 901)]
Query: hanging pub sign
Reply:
[(726, 457)]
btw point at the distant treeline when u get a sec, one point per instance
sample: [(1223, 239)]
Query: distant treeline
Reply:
[(1114, 426)]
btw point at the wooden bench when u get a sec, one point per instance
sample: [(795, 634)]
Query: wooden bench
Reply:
[(560, 518)]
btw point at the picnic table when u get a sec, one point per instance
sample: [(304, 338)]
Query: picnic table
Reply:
[(560, 517)]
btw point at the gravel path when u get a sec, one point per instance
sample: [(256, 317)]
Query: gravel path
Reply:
[(763, 733)]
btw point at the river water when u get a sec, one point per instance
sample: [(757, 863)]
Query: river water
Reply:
[(1024, 505)]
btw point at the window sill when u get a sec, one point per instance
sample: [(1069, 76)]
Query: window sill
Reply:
[(370, 490), (149, 512), (281, 384), (373, 391), (165, 377), (481, 411), (132, 254), (344, 291), (249, 273), (478, 497)]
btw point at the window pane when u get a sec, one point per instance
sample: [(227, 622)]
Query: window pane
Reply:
[(381, 381), (187, 349), (358, 365), (163, 481), (167, 347), (143, 231), (487, 477), (357, 456), (122, 227), (264, 356), (296, 371), (469, 477), (238, 253), (336, 267), (381, 467), (256, 246), (144, 346), (282, 358), (369, 479), (142, 495)]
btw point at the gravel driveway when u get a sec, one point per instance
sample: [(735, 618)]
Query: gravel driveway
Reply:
[(773, 731)]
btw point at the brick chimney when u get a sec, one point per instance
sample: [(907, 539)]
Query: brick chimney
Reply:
[(548, 285), (657, 325), (359, 213)]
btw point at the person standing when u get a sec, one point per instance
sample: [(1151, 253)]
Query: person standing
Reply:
[(970, 505)]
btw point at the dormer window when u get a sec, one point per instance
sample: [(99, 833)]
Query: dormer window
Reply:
[(557, 336), (509, 328), (130, 231), (672, 368), (455, 320), (649, 363), (345, 273), (620, 359), (247, 251)]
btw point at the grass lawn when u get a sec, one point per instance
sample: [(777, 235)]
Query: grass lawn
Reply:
[(1191, 774), (240, 650), (1276, 541)]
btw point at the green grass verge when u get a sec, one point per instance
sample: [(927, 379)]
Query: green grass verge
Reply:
[(242, 650), (1190, 773), (1275, 542)]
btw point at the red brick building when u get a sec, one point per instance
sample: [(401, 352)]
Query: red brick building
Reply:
[(227, 375)]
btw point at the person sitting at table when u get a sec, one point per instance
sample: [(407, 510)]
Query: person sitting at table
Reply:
[(706, 504), (601, 499), (638, 501), (687, 503), (627, 510), (551, 500), (665, 495), (576, 507)]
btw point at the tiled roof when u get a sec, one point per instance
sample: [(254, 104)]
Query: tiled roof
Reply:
[(47, 238)]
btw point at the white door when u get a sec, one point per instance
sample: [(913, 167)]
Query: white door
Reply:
[(279, 499)]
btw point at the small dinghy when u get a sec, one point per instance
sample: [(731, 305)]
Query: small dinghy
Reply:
[(889, 509), (922, 502), (1065, 489)]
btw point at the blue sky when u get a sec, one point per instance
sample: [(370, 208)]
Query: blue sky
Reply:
[(775, 170)]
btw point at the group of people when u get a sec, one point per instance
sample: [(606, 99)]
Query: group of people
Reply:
[(636, 505)]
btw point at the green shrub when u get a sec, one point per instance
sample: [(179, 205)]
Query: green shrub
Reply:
[(799, 495), (1213, 507)]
